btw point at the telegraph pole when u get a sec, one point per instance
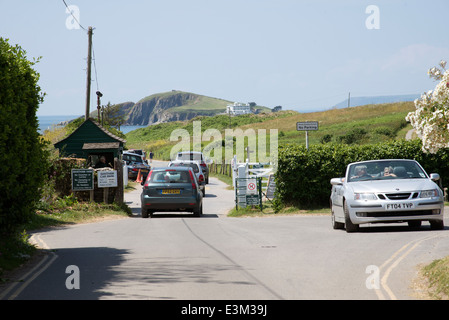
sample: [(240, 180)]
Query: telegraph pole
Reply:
[(89, 63)]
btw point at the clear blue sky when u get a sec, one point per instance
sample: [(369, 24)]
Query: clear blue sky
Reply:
[(302, 55)]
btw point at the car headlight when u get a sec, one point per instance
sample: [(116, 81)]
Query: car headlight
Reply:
[(429, 193), (365, 196)]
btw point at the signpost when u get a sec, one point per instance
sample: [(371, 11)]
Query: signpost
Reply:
[(307, 126), (248, 192)]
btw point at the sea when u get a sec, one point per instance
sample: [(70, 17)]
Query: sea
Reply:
[(51, 122)]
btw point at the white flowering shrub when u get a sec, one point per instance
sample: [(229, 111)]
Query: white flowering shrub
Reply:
[(431, 117)]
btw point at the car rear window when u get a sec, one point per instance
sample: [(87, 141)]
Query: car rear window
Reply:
[(170, 176), (191, 165), (131, 157), (190, 156)]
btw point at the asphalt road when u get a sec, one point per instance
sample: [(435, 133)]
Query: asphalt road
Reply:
[(178, 256)]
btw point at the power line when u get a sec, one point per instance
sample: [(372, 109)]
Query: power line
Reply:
[(93, 51), (95, 67)]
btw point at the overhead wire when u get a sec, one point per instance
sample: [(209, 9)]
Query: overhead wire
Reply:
[(93, 51)]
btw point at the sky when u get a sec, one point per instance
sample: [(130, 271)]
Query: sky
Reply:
[(304, 55)]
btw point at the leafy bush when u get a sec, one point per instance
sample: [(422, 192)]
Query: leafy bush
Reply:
[(22, 150), (303, 177)]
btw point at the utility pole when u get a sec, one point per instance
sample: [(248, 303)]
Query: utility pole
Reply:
[(89, 63)]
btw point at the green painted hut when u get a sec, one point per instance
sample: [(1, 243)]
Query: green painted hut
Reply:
[(91, 141)]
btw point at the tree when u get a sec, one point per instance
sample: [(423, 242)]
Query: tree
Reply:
[(23, 155), (113, 116), (431, 117)]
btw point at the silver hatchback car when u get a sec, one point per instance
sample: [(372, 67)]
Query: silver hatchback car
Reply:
[(381, 191)]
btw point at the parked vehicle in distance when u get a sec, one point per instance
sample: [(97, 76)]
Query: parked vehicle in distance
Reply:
[(195, 156), (168, 189), (196, 169), (140, 152), (134, 163), (381, 191)]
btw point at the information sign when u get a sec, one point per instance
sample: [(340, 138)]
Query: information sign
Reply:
[(82, 179), (107, 179)]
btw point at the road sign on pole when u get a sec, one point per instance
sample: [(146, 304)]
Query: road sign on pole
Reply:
[(307, 126)]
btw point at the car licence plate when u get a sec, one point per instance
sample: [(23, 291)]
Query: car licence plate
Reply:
[(399, 206), (171, 191)]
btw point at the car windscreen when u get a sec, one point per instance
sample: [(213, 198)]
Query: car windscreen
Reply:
[(170, 176), (384, 170)]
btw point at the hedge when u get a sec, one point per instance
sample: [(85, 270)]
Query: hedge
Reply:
[(22, 151), (303, 176)]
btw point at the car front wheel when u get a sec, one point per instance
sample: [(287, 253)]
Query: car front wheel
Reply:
[(349, 226), (436, 224)]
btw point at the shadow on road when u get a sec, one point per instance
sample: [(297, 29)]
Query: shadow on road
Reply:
[(97, 269)]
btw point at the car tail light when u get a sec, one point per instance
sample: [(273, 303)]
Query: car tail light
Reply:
[(192, 179), (201, 178), (148, 179), (203, 164)]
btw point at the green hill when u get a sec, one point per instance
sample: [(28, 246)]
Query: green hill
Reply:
[(357, 125)]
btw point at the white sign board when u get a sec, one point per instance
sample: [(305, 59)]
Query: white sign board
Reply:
[(107, 179), (251, 186), (307, 126)]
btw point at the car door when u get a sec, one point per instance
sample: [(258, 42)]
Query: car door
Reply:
[(337, 198)]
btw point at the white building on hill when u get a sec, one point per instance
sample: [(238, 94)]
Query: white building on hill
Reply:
[(238, 108)]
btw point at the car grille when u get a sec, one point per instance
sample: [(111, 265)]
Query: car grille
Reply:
[(398, 196)]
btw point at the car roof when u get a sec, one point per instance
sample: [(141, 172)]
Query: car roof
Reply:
[(185, 161), (189, 152), (171, 168)]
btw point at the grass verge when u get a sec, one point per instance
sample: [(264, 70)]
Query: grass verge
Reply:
[(268, 210), (437, 276)]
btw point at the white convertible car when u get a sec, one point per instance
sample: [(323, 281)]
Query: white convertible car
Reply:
[(381, 191)]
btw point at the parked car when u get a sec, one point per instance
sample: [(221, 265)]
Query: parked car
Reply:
[(380, 191), (196, 169), (171, 189), (134, 163), (140, 152), (195, 156)]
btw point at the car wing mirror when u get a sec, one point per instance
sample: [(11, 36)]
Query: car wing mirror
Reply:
[(337, 181), (434, 176)]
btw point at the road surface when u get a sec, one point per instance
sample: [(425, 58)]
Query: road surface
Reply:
[(178, 256)]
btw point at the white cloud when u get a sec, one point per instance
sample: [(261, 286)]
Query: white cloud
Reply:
[(415, 56)]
